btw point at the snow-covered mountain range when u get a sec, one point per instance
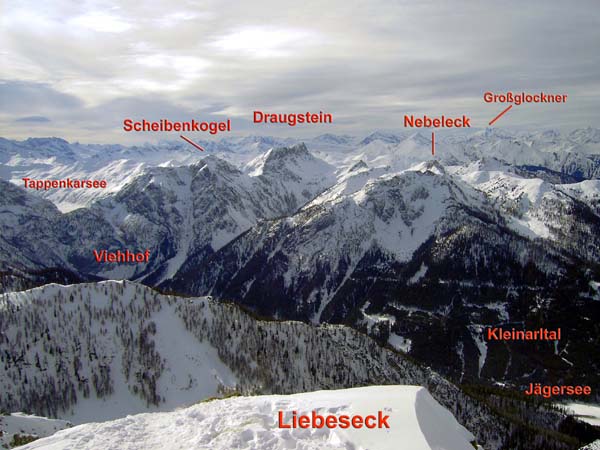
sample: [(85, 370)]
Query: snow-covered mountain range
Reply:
[(367, 233), (421, 252), (574, 155)]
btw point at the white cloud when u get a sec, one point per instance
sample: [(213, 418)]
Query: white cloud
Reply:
[(101, 22), (266, 42), (181, 66), (175, 18)]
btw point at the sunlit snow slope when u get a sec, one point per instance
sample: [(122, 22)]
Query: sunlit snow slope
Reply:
[(417, 422)]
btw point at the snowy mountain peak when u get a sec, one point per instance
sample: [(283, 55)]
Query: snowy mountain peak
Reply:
[(433, 166), (360, 165), (296, 166), (53, 142), (491, 132), (40, 148), (333, 139), (216, 164), (258, 142), (388, 138), (286, 153), (420, 139), (277, 159), (549, 135)]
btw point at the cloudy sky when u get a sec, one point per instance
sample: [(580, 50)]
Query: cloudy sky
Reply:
[(76, 69)]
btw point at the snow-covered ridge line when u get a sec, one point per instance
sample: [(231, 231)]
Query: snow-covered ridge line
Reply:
[(575, 153)]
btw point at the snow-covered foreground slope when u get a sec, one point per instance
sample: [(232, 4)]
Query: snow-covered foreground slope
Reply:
[(416, 422), (97, 351), (16, 426), (107, 350)]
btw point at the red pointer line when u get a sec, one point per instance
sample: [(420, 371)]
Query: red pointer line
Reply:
[(500, 115), (433, 143), (191, 142)]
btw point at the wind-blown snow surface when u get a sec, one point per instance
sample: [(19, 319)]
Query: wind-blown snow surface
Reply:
[(417, 422)]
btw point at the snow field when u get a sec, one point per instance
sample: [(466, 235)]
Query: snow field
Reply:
[(417, 422), (28, 425)]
